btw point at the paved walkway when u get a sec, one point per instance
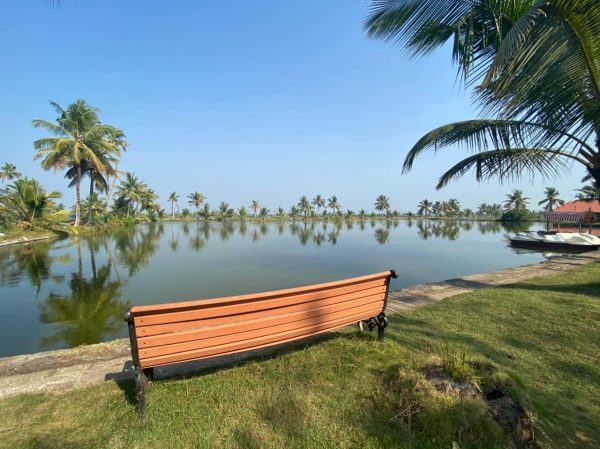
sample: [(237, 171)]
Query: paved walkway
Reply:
[(71, 368)]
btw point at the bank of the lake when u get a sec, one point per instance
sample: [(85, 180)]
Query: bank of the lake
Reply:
[(538, 338)]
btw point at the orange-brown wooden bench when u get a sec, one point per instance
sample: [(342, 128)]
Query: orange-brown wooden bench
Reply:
[(166, 334)]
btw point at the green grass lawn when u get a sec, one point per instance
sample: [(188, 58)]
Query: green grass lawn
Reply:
[(541, 336)]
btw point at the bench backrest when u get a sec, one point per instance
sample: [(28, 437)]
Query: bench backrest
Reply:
[(165, 334)]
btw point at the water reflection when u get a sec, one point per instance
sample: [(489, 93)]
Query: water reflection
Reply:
[(135, 245), (90, 313), (76, 285), (30, 261), (318, 233)]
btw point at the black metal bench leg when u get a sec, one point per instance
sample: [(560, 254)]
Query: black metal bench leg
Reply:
[(140, 385), (382, 323)]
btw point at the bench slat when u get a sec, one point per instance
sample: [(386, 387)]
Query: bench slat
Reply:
[(250, 330), (303, 312), (178, 306), (256, 343), (206, 310), (146, 331)]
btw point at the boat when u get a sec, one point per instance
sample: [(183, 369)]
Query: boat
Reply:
[(569, 241)]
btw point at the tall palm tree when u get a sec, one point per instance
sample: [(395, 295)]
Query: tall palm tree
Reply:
[(196, 199), (538, 64), (333, 204), (382, 204), (551, 199), (173, 198), (424, 207), (516, 201), (319, 202), (80, 138), (304, 206), (8, 172), (255, 205)]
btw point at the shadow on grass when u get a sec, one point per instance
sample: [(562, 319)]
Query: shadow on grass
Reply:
[(589, 288)]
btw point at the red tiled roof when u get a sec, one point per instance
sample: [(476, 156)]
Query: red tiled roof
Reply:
[(579, 206)]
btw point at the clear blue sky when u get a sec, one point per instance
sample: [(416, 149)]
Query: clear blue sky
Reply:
[(240, 100)]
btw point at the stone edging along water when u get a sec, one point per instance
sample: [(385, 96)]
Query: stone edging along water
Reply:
[(66, 369)]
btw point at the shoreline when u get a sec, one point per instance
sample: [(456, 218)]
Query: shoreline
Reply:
[(66, 369), (24, 239)]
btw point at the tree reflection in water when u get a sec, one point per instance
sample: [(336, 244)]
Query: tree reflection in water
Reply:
[(135, 245), (32, 261), (91, 312)]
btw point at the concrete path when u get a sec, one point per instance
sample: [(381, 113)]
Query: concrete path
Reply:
[(71, 368)]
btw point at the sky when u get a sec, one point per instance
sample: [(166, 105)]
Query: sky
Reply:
[(241, 101)]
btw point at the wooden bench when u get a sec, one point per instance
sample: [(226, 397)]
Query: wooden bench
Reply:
[(166, 334)]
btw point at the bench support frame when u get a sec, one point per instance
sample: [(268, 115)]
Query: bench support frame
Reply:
[(142, 376)]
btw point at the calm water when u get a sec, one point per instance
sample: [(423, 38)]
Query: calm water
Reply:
[(69, 292)]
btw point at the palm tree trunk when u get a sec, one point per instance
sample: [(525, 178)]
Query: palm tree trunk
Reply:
[(78, 196), (90, 203), (172, 211)]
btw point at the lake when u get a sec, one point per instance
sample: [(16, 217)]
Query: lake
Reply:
[(63, 293)]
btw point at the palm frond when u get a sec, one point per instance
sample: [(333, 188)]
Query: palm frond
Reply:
[(509, 165), (483, 135)]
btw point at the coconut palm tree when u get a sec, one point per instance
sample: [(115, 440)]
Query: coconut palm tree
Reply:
[(382, 204), (255, 205), (294, 212), (242, 212), (173, 198), (333, 204), (8, 172), (224, 210), (319, 202), (26, 202), (516, 201), (305, 206), (551, 199), (538, 64), (590, 191), (196, 199), (424, 207), (131, 190), (79, 138)]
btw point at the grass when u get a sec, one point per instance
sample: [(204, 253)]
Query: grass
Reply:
[(541, 336)]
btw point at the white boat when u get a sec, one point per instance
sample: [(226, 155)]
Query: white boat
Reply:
[(559, 240)]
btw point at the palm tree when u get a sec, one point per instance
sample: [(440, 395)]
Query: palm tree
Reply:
[(589, 192), (173, 198), (515, 201), (80, 138), (539, 67), (382, 204), (196, 199), (26, 202), (294, 212), (319, 202), (242, 212), (131, 191), (424, 207), (305, 206), (255, 205), (551, 199), (333, 204), (224, 210), (8, 172)]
